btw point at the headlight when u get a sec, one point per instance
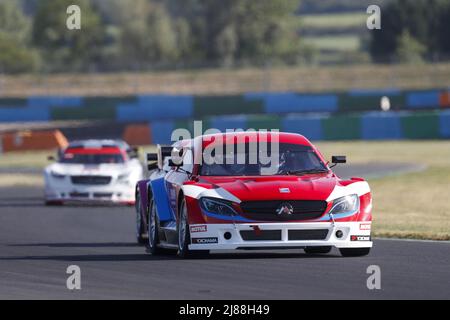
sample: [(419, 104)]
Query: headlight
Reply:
[(347, 204), (123, 178), (57, 175), (218, 206)]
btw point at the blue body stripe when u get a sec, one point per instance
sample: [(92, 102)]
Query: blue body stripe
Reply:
[(162, 200)]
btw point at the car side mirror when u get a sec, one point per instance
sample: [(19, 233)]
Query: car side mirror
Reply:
[(152, 161), (338, 160), (152, 157)]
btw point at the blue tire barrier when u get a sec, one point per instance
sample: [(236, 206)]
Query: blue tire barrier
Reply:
[(161, 131), (24, 114), (228, 122), (309, 126), (293, 102), (381, 126), (425, 99), (150, 108)]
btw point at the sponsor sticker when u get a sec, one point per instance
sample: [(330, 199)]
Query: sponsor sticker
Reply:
[(202, 228), (365, 226), (359, 238), (204, 240)]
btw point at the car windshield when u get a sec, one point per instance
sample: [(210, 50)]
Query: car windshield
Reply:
[(291, 159), (74, 158)]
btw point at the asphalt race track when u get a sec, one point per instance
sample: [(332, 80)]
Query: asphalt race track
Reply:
[(38, 243)]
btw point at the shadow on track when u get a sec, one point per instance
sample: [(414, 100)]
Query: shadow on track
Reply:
[(78, 245), (166, 257)]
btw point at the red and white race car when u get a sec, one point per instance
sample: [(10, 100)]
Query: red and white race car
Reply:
[(93, 171), (251, 191)]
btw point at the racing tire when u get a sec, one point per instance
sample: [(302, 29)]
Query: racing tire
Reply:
[(153, 232), (354, 252), (184, 236), (140, 227), (317, 250)]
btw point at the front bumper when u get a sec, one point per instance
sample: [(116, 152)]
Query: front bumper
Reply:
[(280, 235), (111, 193)]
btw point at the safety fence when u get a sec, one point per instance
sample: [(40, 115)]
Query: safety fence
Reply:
[(317, 127), (362, 126), (129, 109)]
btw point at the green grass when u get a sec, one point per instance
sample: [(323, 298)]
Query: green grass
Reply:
[(412, 205), (335, 43), (334, 20), (320, 32), (21, 180), (428, 152), (32, 159)]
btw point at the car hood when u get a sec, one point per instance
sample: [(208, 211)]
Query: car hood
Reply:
[(310, 187), (80, 169)]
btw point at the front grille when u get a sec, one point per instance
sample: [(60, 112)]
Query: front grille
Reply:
[(267, 210), (91, 180), (79, 195), (103, 195), (261, 235), (299, 235)]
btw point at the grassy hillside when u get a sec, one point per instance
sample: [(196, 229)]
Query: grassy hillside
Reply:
[(336, 35), (334, 6), (337, 29), (333, 20)]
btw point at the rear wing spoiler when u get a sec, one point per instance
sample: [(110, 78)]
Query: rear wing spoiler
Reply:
[(156, 160)]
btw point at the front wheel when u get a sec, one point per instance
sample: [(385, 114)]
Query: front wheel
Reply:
[(184, 237), (354, 252), (153, 234), (141, 236)]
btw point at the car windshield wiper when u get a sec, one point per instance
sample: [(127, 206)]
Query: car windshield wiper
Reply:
[(300, 172)]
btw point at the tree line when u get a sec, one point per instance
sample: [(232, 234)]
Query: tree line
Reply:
[(413, 31), (119, 35), (147, 34)]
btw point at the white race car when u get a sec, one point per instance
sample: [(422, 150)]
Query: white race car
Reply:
[(93, 171)]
